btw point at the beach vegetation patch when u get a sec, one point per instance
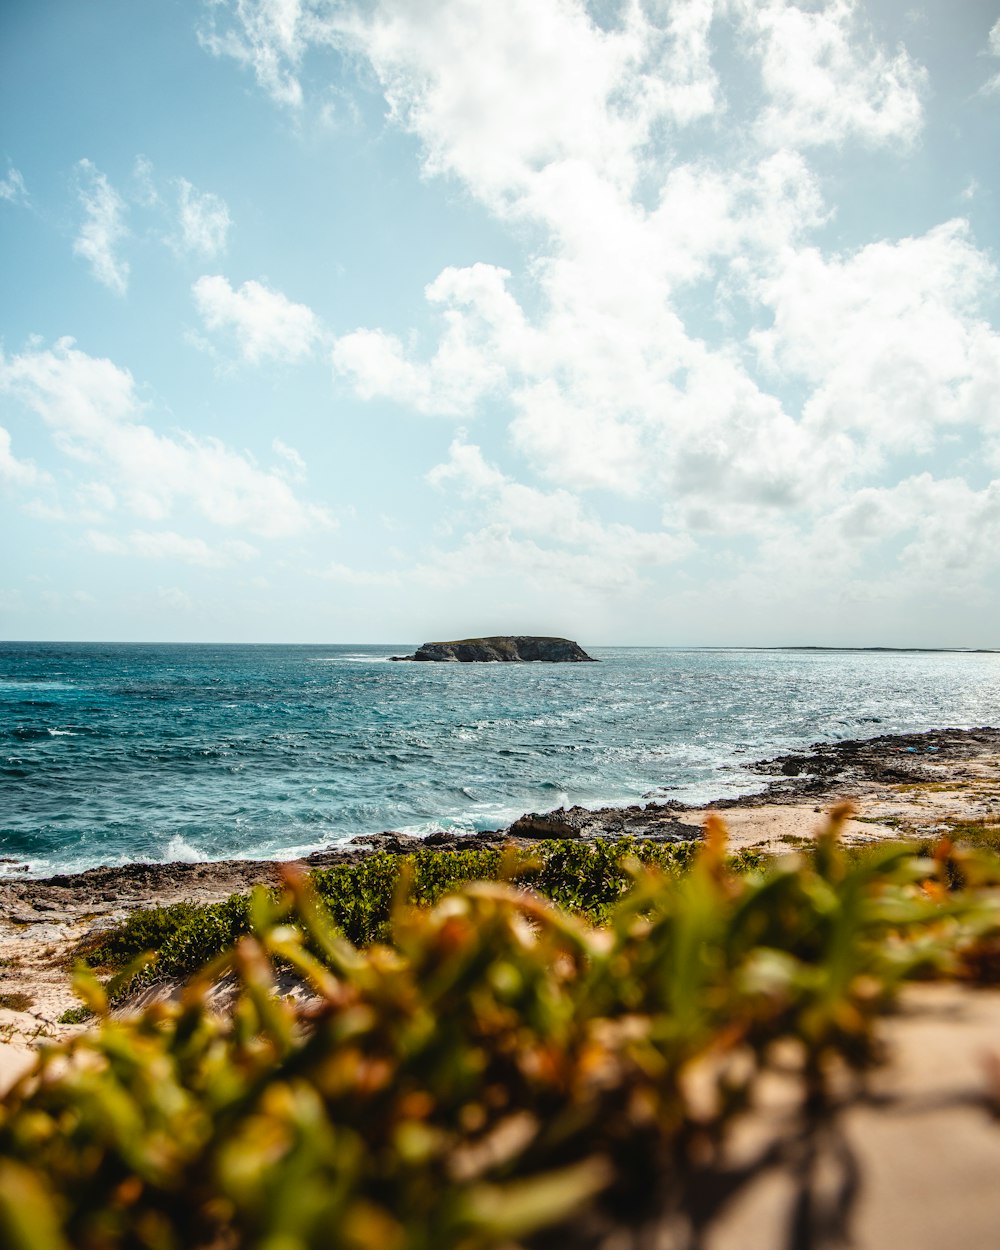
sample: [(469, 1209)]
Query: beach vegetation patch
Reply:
[(585, 877), (76, 1015), (16, 1000), (984, 834), (505, 1074)]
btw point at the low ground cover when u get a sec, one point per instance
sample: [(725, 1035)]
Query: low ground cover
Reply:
[(585, 878), (492, 1069)]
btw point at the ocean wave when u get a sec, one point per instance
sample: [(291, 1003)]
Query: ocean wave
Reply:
[(180, 850)]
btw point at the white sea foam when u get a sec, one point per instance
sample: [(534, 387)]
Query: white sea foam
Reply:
[(179, 850)]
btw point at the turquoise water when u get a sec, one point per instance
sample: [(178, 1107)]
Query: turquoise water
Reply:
[(111, 753)]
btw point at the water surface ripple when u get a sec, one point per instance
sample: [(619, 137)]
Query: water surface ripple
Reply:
[(111, 753)]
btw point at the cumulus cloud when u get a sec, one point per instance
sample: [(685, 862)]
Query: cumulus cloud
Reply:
[(203, 221), (263, 323), (197, 224), (103, 229), (175, 599), (888, 336), (553, 520), (943, 533), (463, 368), (295, 465), (826, 79), (546, 540), (93, 411), (683, 336)]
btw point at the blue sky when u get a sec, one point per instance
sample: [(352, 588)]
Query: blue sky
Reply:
[(667, 322)]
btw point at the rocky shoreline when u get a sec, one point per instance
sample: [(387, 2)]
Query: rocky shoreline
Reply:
[(827, 772), (940, 1085), (892, 759), (910, 785)]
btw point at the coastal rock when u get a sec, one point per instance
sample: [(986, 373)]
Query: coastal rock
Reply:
[(557, 824), (504, 648), (653, 821)]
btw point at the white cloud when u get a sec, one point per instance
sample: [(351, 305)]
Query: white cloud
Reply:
[(144, 183), (682, 338), (591, 93), (546, 540), (463, 368), (14, 472), (169, 545), (94, 500), (552, 519), (203, 220), (993, 49), (296, 469), (175, 599), (103, 228), (888, 337), (826, 79), (92, 409), (547, 86), (270, 38), (264, 323), (946, 531), (12, 187)]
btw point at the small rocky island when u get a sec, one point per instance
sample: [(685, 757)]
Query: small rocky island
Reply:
[(505, 648)]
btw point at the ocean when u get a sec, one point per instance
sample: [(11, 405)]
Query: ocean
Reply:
[(112, 753)]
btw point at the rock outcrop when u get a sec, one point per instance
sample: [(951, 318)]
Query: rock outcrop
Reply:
[(506, 648), (656, 822)]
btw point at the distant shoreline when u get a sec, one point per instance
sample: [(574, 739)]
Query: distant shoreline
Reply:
[(599, 646)]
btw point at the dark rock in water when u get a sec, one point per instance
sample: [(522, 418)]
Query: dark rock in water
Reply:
[(505, 648)]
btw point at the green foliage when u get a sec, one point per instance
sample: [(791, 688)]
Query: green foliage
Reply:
[(359, 897), (586, 878), (145, 929), (504, 1075), (76, 1015), (984, 834), (184, 935)]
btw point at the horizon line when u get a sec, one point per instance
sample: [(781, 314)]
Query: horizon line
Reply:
[(630, 646)]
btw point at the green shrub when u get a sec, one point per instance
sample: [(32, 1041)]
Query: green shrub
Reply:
[(586, 878), (145, 929)]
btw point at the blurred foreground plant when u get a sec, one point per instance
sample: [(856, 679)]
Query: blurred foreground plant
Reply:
[(504, 1074)]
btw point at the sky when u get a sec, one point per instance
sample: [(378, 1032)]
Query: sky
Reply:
[(663, 322)]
